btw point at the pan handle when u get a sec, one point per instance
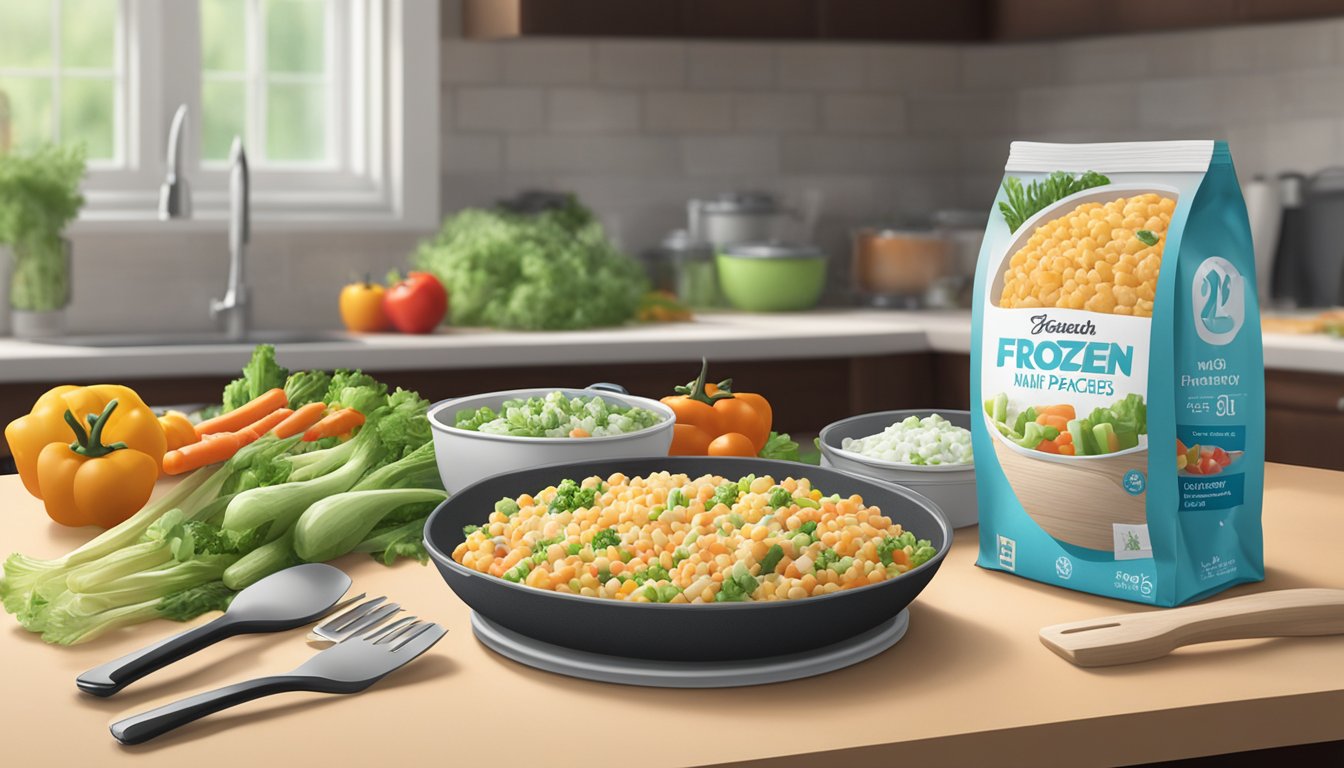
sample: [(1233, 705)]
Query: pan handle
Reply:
[(606, 386)]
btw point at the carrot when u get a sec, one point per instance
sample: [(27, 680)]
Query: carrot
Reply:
[(1066, 450), (301, 420), (244, 415), (1063, 409), (335, 423), (1053, 420), (1065, 438), (210, 450), (266, 423), (1048, 446)]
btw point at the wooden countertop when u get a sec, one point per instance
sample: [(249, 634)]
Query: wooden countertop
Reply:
[(970, 684)]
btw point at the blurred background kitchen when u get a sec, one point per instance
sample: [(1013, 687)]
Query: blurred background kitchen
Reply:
[(751, 155)]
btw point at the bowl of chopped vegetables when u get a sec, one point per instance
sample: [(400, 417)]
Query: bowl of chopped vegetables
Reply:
[(688, 558), (926, 450), (483, 435)]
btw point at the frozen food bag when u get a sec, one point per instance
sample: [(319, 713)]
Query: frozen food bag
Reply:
[(1116, 352)]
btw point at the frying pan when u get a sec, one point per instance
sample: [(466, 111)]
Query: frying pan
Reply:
[(680, 632)]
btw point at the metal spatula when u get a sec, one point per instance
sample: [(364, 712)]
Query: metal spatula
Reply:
[(291, 598), (1135, 637)]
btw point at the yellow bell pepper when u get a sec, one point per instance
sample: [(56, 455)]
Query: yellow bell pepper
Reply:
[(133, 423), (178, 429), (89, 482)]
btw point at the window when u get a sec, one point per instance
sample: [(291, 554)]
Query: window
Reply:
[(267, 72), (336, 102), (62, 76)]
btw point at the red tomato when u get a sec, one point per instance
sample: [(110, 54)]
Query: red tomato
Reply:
[(1207, 466), (1192, 469), (1220, 456), (416, 304)]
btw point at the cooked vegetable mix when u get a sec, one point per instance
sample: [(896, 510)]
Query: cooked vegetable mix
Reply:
[(931, 441), (557, 415), (674, 539)]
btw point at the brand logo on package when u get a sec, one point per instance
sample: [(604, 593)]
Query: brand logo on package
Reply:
[(1219, 294)]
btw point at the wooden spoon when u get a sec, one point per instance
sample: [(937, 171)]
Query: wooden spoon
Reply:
[(1132, 637)]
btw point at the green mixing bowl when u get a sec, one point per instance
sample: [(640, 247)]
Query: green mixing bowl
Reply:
[(772, 277)]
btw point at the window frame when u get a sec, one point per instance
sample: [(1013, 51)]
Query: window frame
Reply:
[(389, 182)]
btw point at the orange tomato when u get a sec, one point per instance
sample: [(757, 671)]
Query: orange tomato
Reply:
[(732, 444), (362, 308), (737, 415), (689, 440)]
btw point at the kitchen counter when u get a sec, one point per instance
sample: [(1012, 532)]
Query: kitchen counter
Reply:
[(970, 684), (726, 335)]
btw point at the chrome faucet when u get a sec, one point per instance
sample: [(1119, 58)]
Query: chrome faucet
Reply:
[(235, 304), (174, 194)]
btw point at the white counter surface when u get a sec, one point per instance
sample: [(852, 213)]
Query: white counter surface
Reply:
[(822, 333)]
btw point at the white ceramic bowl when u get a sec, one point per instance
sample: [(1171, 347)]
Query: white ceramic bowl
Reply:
[(950, 486), (465, 456)]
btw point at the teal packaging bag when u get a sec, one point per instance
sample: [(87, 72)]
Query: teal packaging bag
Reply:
[(1116, 349)]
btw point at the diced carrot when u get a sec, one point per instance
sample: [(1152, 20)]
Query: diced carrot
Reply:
[(1066, 450), (1063, 409), (1065, 438), (244, 415), (1053, 420), (1048, 446)]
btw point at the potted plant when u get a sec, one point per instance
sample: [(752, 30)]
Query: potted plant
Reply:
[(39, 196)]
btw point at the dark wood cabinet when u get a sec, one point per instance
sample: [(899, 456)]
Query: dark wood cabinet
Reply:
[(944, 21)]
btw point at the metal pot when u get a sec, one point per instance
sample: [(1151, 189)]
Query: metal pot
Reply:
[(737, 217)]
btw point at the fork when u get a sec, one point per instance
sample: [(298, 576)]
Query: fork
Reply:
[(346, 667), (358, 620)]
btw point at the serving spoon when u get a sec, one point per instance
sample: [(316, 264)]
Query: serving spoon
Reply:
[(284, 600)]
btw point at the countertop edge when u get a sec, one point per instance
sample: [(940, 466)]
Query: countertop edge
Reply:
[(1210, 729), (738, 336)]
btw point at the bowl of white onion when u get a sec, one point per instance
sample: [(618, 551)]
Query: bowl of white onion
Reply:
[(925, 450)]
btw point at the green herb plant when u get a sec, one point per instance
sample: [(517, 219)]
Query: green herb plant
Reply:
[(39, 196)]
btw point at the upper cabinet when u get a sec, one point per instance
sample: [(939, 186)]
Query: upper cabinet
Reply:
[(941, 21), (945, 20)]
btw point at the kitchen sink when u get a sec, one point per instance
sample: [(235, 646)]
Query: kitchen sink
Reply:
[(193, 339)]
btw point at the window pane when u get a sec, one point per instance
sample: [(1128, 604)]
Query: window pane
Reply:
[(25, 33), (29, 107), (88, 33), (88, 115), (223, 107), (296, 119), (296, 35), (223, 35)]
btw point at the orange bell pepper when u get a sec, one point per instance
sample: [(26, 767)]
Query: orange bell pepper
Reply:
[(89, 482), (133, 423), (707, 411)]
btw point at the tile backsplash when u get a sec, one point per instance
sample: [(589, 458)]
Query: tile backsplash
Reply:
[(882, 130), (637, 127)]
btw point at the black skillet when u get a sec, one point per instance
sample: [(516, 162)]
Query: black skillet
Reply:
[(680, 632)]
